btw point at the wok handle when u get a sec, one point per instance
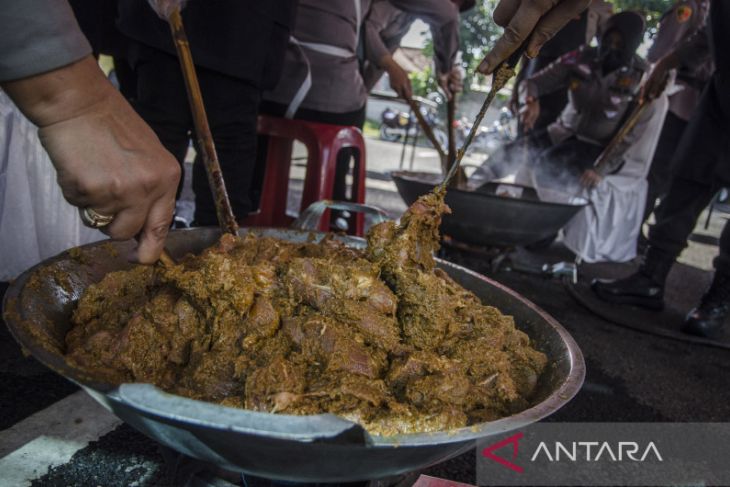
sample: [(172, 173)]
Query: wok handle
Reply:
[(501, 75), (309, 220)]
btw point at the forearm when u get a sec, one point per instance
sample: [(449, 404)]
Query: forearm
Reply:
[(632, 137), (375, 48), (61, 94), (446, 45), (527, 91), (38, 36), (387, 62), (691, 53), (442, 18), (671, 60), (550, 79)]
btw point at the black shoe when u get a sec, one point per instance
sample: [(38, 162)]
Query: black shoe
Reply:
[(708, 319), (638, 289), (644, 288)]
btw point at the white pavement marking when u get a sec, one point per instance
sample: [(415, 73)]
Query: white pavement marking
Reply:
[(51, 437)]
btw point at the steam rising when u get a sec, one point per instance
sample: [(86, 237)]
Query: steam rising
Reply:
[(556, 180)]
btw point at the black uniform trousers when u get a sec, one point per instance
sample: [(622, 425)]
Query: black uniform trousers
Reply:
[(232, 108), (660, 172), (700, 163)]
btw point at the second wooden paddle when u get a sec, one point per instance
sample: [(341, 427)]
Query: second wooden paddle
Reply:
[(226, 219)]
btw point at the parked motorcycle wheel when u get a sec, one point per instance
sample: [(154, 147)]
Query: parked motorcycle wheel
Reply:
[(388, 134)]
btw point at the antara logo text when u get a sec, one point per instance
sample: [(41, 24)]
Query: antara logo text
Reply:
[(594, 451), (576, 451)]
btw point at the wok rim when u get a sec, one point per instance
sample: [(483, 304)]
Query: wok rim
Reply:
[(560, 396), (412, 176)]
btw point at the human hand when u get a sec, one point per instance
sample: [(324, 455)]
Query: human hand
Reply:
[(529, 113), (657, 80), (590, 178), (538, 20), (106, 157), (399, 80), (451, 82)]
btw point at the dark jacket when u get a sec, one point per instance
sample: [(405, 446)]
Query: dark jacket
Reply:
[(704, 153), (679, 23), (245, 39)]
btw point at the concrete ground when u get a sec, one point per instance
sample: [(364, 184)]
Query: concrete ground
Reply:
[(52, 434)]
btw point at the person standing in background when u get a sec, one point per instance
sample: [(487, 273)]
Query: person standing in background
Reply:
[(677, 24), (602, 84), (702, 166), (97, 20), (238, 48), (386, 26), (321, 81), (109, 163), (577, 32)]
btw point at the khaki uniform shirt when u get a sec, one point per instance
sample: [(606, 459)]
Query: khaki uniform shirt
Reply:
[(38, 36), (386, 25), (337, 84), (679, 23), (597, 103)]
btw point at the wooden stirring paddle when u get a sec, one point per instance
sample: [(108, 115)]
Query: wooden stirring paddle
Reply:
[(226, 219), (428, 132), (501, 75)]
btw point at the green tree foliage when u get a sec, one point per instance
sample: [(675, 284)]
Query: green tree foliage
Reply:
[(652, 10), (476, 33), (423, 82)]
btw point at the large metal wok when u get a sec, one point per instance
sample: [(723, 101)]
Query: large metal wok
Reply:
[(483, 217), (307, 448)]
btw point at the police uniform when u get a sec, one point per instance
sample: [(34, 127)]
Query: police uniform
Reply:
[(702, 165), (702, 160), (678, 24), (386, 25), (237, 47), (38, 36), (598, 104), (321, 80), (575, 33)]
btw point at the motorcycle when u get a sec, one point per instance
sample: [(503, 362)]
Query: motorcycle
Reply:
[(490, 137), (396, 124)]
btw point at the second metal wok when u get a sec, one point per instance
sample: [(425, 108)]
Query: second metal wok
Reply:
[(485, 217), (39, 303)]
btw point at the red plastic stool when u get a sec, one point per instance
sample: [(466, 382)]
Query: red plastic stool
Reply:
[(323, 142)]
